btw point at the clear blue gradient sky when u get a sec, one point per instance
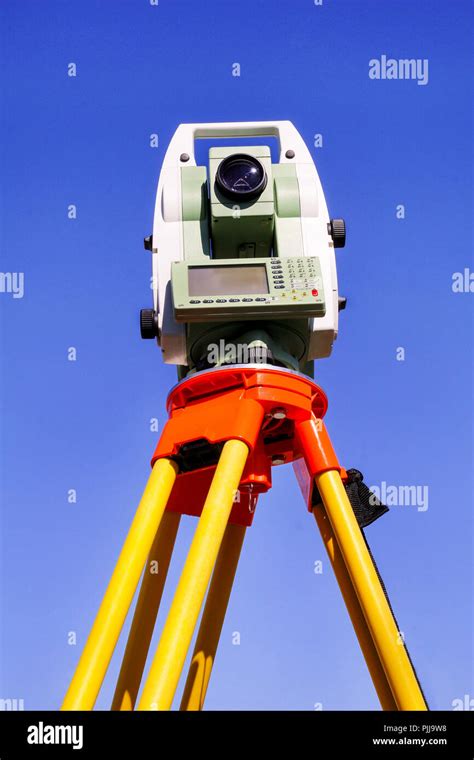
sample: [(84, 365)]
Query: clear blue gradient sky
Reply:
[(84, 425)]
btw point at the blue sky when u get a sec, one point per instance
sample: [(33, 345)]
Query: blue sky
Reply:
[(85, 425)]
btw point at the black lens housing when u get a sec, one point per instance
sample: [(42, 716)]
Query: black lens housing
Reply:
[(241, 177)]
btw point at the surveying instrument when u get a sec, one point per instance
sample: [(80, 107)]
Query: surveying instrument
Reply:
[(245, 298)]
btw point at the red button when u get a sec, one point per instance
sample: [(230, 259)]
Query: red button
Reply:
[(314, 292)]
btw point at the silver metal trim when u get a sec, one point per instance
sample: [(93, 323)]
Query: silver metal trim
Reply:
[(231, 367)]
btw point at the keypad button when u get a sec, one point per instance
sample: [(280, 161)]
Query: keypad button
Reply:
[(234, 300), (208, 300), (194, 301)]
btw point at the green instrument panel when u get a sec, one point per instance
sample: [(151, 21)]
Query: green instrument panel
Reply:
[(247, 289)]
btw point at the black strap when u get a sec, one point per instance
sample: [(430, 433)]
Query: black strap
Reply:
[(364, 503), (367, 508)]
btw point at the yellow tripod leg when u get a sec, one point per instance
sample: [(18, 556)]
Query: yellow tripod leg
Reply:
[(366, 643), (382, 626), (213, 619), (100, 645), (170, 656), (146, 610)]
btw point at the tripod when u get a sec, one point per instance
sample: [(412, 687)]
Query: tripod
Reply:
[(226, 428)]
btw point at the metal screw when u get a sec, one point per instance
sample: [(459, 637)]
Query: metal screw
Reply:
[(278, 413), (184, 157), (290, 154)]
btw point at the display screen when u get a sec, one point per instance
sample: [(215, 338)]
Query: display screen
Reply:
[(227, 280)]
